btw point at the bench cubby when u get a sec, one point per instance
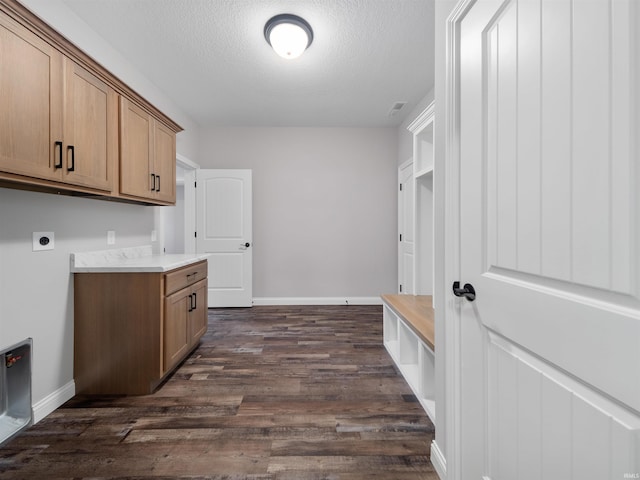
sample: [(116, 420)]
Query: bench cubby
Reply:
[(409, 338)]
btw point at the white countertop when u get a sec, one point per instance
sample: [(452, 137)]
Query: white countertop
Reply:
[(133, 259)]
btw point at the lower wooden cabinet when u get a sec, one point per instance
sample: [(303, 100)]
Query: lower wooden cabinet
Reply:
[(132, 329), (185, 322)]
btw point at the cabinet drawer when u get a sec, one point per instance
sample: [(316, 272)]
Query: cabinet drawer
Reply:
[(183, 277)]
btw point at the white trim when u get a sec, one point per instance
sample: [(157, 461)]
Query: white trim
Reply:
[(406, 163), (190, 206), (423, 119), (317, 301), (438, 461), (191, 168), (54, 400), (452, 315), (186, 163)]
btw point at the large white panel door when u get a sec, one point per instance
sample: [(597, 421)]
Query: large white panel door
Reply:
[(406, 229), (543, 143), (224, 231)]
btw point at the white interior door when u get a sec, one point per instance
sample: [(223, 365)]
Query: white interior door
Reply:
[(549, 235), (224, 231), (406, 230)]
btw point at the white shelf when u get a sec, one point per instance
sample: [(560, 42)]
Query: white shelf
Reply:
[(427, 379), (411, 373), (408, 345), (393, 349), (424, 172), (429, 407), (389, 325), (422, 129), (413, 357)]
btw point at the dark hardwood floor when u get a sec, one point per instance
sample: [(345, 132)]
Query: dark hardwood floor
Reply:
[(272, 393)]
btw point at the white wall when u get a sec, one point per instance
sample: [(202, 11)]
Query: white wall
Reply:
[(324, 207), (36, 295)]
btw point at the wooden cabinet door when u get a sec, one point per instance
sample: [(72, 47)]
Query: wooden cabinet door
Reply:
[(185, 321), (30, 104), (164, 164), (198, 316), (176, 327), (90, 129), (136, 151), (147, 156)]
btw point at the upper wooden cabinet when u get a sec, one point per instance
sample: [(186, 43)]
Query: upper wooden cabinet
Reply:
[(90, 146), (31, 96), (147, 155), (58, 121), (164, 164), (60, 124)]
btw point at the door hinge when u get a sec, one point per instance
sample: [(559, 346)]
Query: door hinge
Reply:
[(400, 288), (195, 234), (195, 184), (400, 187), (400, 237)]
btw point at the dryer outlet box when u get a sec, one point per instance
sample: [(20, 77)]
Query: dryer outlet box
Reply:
[(43, 241)]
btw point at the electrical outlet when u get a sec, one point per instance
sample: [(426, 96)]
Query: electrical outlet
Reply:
[(43, 241), (111, 237)]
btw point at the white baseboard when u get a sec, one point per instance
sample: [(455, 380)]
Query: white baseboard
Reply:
[(317, 301), (438, 461), (54, 400)]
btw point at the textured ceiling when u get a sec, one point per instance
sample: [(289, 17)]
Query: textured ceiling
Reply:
[(210, 57)]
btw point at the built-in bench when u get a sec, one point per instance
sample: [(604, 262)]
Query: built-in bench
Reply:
[(409, 338)]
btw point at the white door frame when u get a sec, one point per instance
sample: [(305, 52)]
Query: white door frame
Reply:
[(452, 251), (190, 211)]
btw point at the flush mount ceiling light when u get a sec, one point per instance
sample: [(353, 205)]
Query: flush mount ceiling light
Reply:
[(289, 35)]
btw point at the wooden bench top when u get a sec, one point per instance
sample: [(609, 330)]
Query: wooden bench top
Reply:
[(417, 311)]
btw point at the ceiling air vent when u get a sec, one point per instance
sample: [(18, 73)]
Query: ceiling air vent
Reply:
[(395, 108)]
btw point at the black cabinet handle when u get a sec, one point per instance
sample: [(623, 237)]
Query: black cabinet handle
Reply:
[(72, 168), (153, 177), (190, 303), (158, 177), (195, 302), (59, 164)]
